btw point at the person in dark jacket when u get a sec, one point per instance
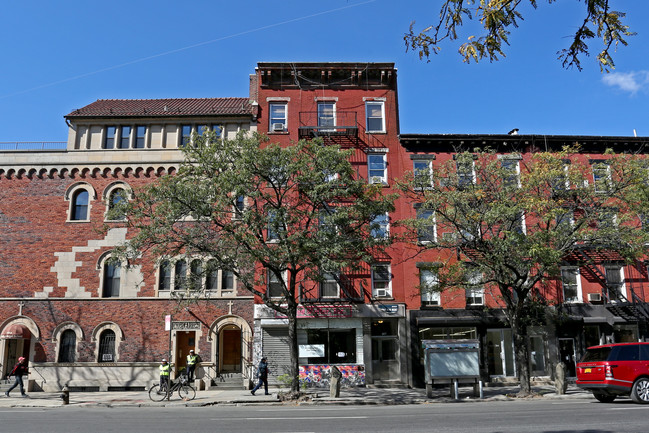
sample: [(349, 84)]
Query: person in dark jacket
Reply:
[(19, 370), (262, 373)]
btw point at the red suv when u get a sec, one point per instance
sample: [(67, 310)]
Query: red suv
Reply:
[(612, 370)]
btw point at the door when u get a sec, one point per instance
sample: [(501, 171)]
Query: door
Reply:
[(500, 352), (567, 355), (185, 341), (11, 349), (230, 340), (385, 350)]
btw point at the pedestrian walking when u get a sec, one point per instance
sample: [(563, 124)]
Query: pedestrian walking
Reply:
[(192, 361), (19, 370), (165, 371), (262, 374)]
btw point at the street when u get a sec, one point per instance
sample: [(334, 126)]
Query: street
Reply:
[(504, 416)]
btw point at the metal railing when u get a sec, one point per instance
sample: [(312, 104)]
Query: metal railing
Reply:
[(32, 145)]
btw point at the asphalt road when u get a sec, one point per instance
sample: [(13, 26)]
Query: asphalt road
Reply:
[(463, 417)]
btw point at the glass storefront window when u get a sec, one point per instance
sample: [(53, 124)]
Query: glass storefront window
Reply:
[(339, 345)]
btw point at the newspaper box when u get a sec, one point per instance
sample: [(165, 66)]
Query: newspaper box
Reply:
[(454, 362)]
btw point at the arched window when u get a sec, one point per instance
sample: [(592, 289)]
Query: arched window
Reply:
[(164, 279), (80, 205), (181, 275), (68, 346), (106, 346), (212, 278), (111, 280), (116, 196), (196, 270)]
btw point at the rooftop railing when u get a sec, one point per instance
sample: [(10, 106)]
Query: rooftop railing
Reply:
[(32, 145)]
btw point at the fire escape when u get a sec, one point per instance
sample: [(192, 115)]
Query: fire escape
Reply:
[(341, 128), (633, 309)]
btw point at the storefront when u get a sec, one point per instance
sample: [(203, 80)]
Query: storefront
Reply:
[(362, 341)]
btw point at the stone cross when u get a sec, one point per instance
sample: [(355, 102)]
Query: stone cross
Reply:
[(21, 304), (230, 307)]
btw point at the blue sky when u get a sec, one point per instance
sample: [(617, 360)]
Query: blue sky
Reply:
[(59, 56)]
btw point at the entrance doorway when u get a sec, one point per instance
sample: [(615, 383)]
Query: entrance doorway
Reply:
[(385, 350), (567, 355), (185, 341), (500, 352), (17, 342), (230, 350)]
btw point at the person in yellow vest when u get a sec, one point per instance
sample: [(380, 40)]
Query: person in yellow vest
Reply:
[(165, 370), (192, 361)]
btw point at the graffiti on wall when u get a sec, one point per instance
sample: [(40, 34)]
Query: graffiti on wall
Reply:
[(319, 376)]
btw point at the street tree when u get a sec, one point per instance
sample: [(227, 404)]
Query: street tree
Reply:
[(497, 18), (508, 229), (275, 217)]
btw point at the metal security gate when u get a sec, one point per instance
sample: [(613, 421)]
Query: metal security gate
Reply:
[(275, 347)]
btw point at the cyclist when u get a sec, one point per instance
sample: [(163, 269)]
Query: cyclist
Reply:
[(165, 371)]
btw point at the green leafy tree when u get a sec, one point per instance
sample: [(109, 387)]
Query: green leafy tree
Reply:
[(273, 216), (509, 231), (498, 17)]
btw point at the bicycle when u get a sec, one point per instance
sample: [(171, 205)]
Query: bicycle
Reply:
[(185, 390)]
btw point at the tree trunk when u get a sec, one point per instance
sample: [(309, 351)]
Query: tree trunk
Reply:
[(293, 348), (521, 355)]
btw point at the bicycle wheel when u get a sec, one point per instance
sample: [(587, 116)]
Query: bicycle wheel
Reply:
[(156, 394), (186, 392)]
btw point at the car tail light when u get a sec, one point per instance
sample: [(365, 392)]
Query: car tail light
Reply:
[(609, 372)]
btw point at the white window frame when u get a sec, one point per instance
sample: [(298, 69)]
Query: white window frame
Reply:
[(599, 180), (516, 165), (270, 274), (381, 292), (461, 177), (367, 117), (273, 120), (326, 128), (383, 230), (419, 179), (429, 298), (329, 281), (620, 269), (474, 280), (576, 273), (432, 228), (383, 178)]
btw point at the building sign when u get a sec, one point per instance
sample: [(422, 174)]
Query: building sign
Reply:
[(168, 322), (315, 311), (185, 326), (389, 308), (311, 350)]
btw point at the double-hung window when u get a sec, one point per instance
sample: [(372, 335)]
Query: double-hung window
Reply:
[(111, 280), (601, 176), (375, 116), (377, 168), (326, 116), (186, 135), (140, 136), (380, 226), (426, 225), (474, 289), (329, 286), (277, 121), (511, 169), (381, 281), (570, 284), (275, 286), (109, 140), (428, 282), (465, 172), (422, 173), (125, 137), (80, 203)]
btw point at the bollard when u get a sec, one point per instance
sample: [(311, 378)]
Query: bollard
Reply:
[(65, 395), (560, 382), (334, 386)]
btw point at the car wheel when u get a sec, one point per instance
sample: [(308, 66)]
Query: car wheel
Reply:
[(640, 390), (604, 398)]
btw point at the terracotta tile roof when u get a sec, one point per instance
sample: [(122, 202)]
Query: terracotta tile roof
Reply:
[(165, 107)]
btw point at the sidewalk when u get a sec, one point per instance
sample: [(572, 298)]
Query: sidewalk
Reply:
[(348, 396)]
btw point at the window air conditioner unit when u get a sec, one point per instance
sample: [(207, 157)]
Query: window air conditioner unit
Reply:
[(278, 126), (382, 293), (594, 297), (376, 179)]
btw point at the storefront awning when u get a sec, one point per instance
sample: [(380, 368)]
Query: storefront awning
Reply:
[(16, 331)]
